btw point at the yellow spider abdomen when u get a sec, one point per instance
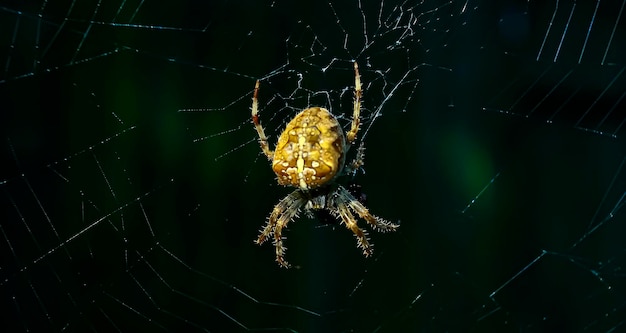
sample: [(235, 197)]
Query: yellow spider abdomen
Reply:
[(310, 151)]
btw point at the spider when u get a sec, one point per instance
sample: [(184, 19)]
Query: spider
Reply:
[(309, 155)]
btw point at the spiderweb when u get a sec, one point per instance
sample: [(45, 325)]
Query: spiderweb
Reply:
[(133, 185)]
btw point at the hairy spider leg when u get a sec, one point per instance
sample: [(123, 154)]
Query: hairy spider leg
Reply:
[(348, 219), (282, 213), (257, 124), (351, 135), (376, 222), (358, 161)]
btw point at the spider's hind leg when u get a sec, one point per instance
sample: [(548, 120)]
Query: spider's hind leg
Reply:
[(358, 161), (356, 122)]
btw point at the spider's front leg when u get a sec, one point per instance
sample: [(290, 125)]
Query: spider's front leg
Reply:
[(348, 219), (376, 222), (282, 213), (344, 203)]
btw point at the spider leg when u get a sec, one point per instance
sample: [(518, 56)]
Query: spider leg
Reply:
[(376, 222), (363, 243), (358, 161), (351, 135), (257, 124), (282, 213)]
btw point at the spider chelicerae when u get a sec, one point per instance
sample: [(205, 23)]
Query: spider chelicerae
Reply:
[(310, 155)]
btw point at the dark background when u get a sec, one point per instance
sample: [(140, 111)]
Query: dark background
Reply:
[(133, 186)]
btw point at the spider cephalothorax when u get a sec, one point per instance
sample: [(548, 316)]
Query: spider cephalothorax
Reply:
[(310, 155)]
